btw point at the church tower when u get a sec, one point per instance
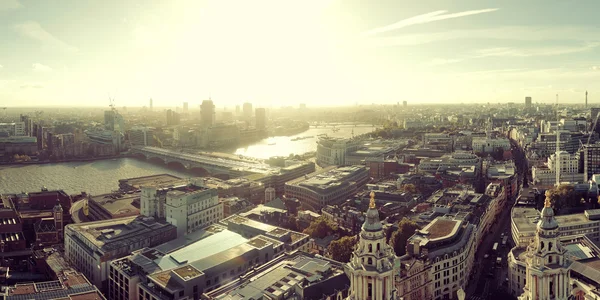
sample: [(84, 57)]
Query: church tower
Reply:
[(547, 275), (57, 212), (374, 264)]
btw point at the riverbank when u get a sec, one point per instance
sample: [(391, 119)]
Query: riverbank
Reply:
[(43, 162)]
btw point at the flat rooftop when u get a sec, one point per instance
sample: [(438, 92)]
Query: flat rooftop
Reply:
[(71, 285), (526, 218), (159, 179), (441, 228), (333, 178), (117, 204)]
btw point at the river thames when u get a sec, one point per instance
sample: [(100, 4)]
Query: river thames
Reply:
[(102, 176)]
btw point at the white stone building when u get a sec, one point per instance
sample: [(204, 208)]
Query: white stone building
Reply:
[(488, 145), (191, 210), (373, 266)]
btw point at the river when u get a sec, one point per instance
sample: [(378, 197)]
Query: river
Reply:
[(102, 176)]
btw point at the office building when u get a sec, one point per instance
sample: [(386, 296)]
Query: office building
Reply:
[(374, 265), (150, 104), (329, 187), (332, 151), (202, 261), (112, 206), (173, 118), (18, 145), (269, 194), (14, 128), (191, 209), (207, 113), (438, 261), (91, 246), (527, 102), (70, 285), (591, 160), (185, 107), (290, 276), (247, 111), (141, 136), (261, 118), (454, 160), (404, 104), (504, 173), (28, 123)]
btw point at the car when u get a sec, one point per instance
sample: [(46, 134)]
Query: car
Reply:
[(486, 256)]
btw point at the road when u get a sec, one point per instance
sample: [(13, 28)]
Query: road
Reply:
[(488, 280)]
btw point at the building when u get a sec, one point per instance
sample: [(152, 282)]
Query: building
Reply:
[(150, 104), (489, 145), (185, 107), (207, 113), (261, 118), (18, 145), (247, 111), (14, 128), (136, 183), (454, 160), (173, 118), (201, 261), (70, 285), (235, 205), (113, 206), (438, 261), (332, 151), (192, 209), (504, 173), (295, 275), (591, 161), (28, 122), (571, 227), (546, 275), (328, 187), (373, 266), (141, 136), (269, 194), (91, 246), (527, 102)]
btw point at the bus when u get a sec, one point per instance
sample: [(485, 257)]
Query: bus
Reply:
[(495, 248), (504, 240)]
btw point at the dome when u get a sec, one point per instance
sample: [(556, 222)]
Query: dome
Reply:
[(372, 222), (547, 220)]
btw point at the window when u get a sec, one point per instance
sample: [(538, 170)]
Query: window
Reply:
[(181, 294), (370, 248), (369, 261)]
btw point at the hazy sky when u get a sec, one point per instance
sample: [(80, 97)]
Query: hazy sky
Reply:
[(76, 52)]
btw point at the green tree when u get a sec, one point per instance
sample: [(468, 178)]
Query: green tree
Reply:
[(341, 249), (320, 228), (564, 196), (406, 228), (409, 187)]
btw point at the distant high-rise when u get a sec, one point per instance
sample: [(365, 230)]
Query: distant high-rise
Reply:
[(109, 119), (172, 118), (237, 110), (207, 113), (527, 102), (404, 103), (302, 106), (28, 125), (247, 110), (586, 94), (150, 104), (261, 118), (185, 107)]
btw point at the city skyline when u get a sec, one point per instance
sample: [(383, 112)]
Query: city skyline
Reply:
[(314, 52)]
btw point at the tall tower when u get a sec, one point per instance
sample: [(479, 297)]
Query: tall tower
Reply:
[(150, 104), (57, 213), (207, 113), (586, 94), (547, 275), (373, 264)]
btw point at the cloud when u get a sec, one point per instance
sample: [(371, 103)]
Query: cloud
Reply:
[(32, 86), (37, 67), (6, 5), (527, 52), (1, 66), (443, 61), (34, 30), (595, 68), (427, 18)]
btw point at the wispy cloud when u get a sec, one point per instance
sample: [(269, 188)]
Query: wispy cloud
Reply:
[(528, 52), (32, 86), (1, 66), (37, 67), (595, 68), (427, 18), (34, 30), (7, 5)]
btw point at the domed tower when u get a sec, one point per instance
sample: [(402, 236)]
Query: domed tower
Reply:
[(547, 274), (57, 212), (373, 264)]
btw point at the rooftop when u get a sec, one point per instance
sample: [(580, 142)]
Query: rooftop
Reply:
[(71, 285), (119, 204), (137, 182), (333, 178)]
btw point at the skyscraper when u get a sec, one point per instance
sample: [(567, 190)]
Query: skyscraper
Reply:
[(150, 104), (185, 107), (247, 111), (261, 118), (586, 94), (109, 119), (404, 103), (527, 102), (28, 125), (207, 113)]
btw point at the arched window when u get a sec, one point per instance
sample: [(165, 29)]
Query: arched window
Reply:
[(550, 246), (369, 261), (370, 248), (550, 259), (541, 245), (378, 247)]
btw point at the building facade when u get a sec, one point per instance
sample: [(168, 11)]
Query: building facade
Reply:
[(189, 211)]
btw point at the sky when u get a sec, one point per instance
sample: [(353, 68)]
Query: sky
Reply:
[(284, 52)]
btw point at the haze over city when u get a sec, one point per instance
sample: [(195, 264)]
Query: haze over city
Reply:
[(273, 52)]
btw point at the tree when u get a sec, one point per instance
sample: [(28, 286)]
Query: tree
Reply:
[(341, 250), (320, 228), (409, 187), (406, 228), (564, 196), (292, 223)]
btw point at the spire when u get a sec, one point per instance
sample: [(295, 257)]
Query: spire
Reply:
[(372, 202), (548, 202)]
